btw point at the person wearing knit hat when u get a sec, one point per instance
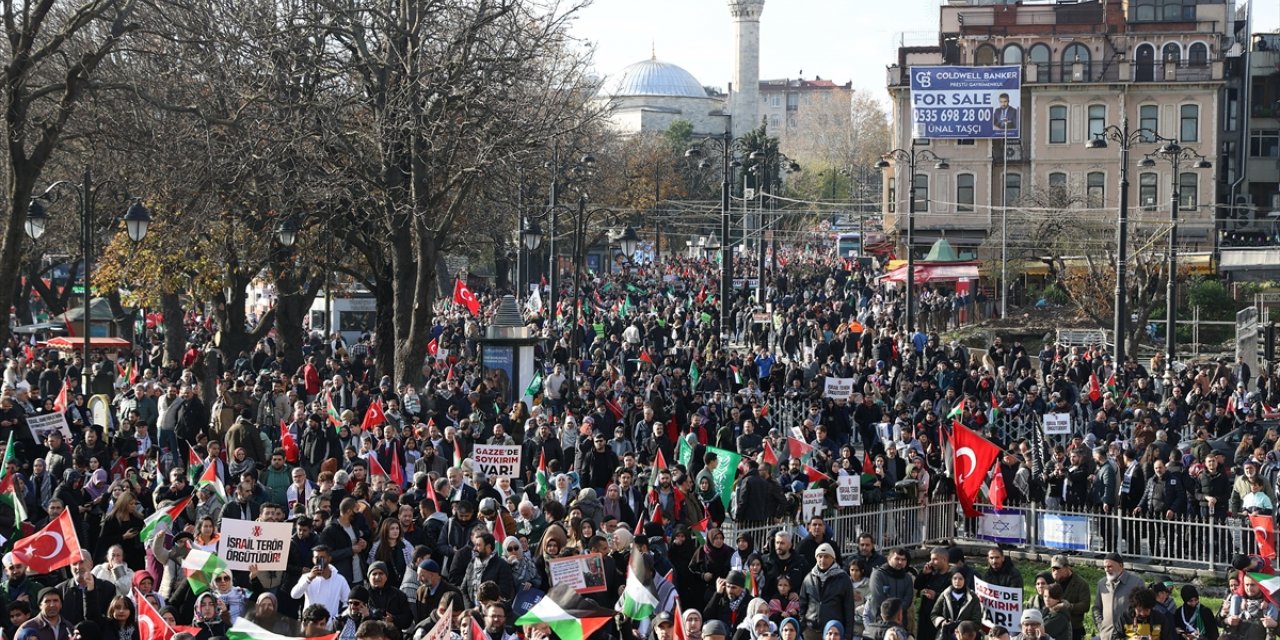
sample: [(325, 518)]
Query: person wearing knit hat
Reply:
[(1194, 619)]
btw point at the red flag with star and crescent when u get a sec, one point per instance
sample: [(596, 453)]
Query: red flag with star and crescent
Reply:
[(288, 443), (151, 625), (973, 458), (374, 416), (397, 475), (462, 295), (375, 467), (1264, 531), (51, 548)]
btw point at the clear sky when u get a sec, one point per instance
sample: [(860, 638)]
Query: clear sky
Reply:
[(841, 40)]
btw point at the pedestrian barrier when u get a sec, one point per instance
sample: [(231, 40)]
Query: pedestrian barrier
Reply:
[(1185, 542)]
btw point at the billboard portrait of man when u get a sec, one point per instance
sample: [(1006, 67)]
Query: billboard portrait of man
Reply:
[(1005, 117)]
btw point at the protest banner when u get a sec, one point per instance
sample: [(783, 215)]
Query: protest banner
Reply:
[(813, 502), (838, 388), (497, 460), (849, 493), (42, 426), (1001, 606), (1057, 424), (1064, 532), (246, 542), (584, 573)]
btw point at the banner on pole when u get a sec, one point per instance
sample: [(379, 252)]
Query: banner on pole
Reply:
[(838, 388), (497, 460), (1001, 606), (1057, 424), (246, 542)]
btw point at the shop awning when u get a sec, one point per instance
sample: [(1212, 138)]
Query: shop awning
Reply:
[(75, 344), (938, 272)]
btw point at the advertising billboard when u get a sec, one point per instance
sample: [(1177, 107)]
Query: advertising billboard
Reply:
[(965, 102)]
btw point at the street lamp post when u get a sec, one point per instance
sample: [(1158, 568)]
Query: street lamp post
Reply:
[(768, 169), (584, 168), (136, 219), (1175, 155), (726, 145), (911, 158), (1126, 138)]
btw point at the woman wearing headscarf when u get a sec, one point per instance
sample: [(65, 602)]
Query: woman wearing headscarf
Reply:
[(523, 571), (589, 504), (789, 629), (711, 562), (680, 552), (745, 546), (833, 631), (614, 507), (692, 621), (755, 621), (955, 605), (562, 490), (211, 617)]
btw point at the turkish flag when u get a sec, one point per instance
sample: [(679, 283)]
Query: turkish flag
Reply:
[(974, 456), (375, 467), (433, 347), (374, 416), (51, 548), (289, 444), (769, 456), (1095, 391), (60, 403), (151, 625), (397, 476), (463, 296), (1264, 531), (996, 491)]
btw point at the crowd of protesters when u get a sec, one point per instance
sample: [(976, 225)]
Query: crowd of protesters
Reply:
[(643, 377)]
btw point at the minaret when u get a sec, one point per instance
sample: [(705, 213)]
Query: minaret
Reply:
[(744, 100)]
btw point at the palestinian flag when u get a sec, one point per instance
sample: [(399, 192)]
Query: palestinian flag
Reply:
[(210, 478), (201, 567), (570, 616), (639, 601), (499, 530), (814, 475), (162, 520), (769, 456), (194, 465), (1112, 386), (737, 375), (544, 482), (335, 418), (798, 448), (644, 356), (8, 456), (753, 585), (245, 630), (10, 497), (659, 463), (995, 408), (1269, 583), (457, 453), (956, 411)]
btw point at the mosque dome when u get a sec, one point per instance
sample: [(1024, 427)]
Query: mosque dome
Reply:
[(656, 78)]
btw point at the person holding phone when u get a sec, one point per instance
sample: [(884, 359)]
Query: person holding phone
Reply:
[(323, 584)]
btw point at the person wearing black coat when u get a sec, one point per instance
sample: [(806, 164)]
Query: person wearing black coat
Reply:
[(932, 581), (487, 566), (826, 594), (84, 596), (386, 601), (752, 497), (346, 547), (319, 443), (456, 533), (598, 465)]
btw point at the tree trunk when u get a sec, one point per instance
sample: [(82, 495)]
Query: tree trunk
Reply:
[(385, 328), (175, 332), (22, 302), (22, 181), (415, 293), (292, 307)]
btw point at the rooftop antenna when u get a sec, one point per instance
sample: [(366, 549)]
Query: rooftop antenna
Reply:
[(653, 50)]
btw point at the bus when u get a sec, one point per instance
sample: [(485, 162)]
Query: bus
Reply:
[(849, 245)]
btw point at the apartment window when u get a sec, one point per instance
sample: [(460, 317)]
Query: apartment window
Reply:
[(1188, 191), (1012, 55), (965, 142), (1143, 10), (1039, 56), (1097, 120), (1149, 121), (986, 55), (1012, 188), (1189, 123), (775, 120), (1057, 125), (1198, 55), (775, 100), (1148, 191), (793, 101), (1172, 53), (922, 192), (1264, 143), (1096, 189), (893, 195), (964, 193), (791, 122), (1072, 54)]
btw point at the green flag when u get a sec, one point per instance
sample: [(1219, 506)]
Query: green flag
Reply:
[(8, 457), (633, 289), (706, 318), (725, 473), (625, 310), (684, 452), (598, 327), (693, 374), (535, 385)]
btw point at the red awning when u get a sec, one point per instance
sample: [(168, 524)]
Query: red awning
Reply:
[(937, 272), (64, 343)]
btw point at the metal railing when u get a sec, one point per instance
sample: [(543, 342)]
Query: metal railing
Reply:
[(894, 523)]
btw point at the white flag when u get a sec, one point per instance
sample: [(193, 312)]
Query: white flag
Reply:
[(534, 305)]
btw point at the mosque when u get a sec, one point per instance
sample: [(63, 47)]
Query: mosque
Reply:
[(651, 94)]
